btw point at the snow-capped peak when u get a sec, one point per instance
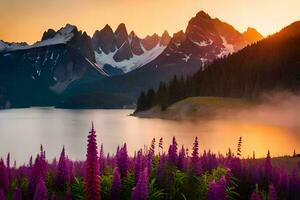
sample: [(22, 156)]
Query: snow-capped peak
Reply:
[(67, 29), (62, 36)]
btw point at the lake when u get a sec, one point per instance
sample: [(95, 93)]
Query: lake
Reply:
[(23, 130)]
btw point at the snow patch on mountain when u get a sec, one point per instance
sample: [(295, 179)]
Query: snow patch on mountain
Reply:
[(228, 48), (62, 37), (202, 43), (3, 45), (133, 63), (186, 57)]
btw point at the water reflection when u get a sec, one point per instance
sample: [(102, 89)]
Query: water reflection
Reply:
[(23, 130)]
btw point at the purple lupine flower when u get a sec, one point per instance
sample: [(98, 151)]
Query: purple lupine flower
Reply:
[(272, 193), (160, 168), (8, 167), (172, 153), (43, 163), (268, 166), (116, 185), (195, 164), (4, 179), (152, 146), (181, 162), (92, 175), (217, 190), (234, 163), (140, 191), (101, 160), (39, 170), (255, 196), (2, 196), (138, 165), (18, 194), (41, 192), (30, 161), (122, 161), (283, 182), (209, 161), (71, 170), (62, 174), (195, 153), (150, 156), (53, 196), (68, 195), (160, 145), (228, 176), (294, 185), (149, 161)]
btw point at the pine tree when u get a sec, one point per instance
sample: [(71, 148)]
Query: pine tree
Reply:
[(141, 102)]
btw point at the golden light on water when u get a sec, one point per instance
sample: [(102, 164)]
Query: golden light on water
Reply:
[(256, 137)]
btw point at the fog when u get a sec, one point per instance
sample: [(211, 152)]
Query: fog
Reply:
[(277, 109)]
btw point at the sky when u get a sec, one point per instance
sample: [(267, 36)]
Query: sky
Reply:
[(26, 20)]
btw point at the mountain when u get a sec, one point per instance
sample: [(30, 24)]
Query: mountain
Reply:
[(252, 35), (69, 68), (36, 75), (204, 40), (119, 52), (65, 59), (269, 65), (6, 45)]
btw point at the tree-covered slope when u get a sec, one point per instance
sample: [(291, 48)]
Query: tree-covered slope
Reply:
[(271, 64)]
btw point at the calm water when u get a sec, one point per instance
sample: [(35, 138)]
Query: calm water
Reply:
[(23, 130)]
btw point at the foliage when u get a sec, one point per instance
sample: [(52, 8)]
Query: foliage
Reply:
[(268, 65), (170, 176)]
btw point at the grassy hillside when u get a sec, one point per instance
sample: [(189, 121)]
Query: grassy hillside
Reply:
[(194, 107)]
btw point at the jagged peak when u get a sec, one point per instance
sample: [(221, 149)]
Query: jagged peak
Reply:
[(202, 14), (121, 34), (179, 36), (50, 33), (165, 38), (107, 28), (67, 29), (132, 34), (154, 35), (121, 27), (166, 33), (252, 30), (252, 35)]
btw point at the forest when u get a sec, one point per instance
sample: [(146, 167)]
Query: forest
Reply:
[(268, 65)]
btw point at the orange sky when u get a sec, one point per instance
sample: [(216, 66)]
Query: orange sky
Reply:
[(26, 20)]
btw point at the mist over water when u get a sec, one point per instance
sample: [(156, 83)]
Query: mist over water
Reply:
[(277, 109), (273, 125)]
